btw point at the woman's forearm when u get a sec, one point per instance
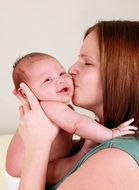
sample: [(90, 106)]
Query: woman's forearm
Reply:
[(37, 133), (34, 171), (59, 168)]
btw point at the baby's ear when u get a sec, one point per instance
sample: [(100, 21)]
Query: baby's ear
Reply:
[(21, 92)]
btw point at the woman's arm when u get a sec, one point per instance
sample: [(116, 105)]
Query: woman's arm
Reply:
[(59, 168), (16, 153), (81, 147), (37, 133), (33, 175), (108, 169)]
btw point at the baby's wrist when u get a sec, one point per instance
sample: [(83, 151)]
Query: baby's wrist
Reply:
[(115, 132)]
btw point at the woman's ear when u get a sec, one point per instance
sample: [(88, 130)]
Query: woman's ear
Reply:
[(21, 92)]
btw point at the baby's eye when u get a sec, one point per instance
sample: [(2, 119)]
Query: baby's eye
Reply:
[(62, 73), (47, 80)]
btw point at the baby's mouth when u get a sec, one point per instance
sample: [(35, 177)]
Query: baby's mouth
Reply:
[(65, 89)]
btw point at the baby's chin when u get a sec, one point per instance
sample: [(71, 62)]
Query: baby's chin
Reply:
[(55, 100), (65, 101)]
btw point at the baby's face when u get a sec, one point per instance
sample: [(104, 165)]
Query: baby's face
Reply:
[(49, 81)]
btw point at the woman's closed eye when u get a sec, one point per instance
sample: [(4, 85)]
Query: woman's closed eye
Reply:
[(88, 63)]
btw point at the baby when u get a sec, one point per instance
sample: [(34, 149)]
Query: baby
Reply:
[(49, 81), (53, 87)]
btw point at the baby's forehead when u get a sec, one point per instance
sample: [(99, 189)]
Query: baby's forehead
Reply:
[(37, 65), (33, 59)]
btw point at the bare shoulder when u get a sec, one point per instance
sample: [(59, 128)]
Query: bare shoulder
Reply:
[(108, 169)]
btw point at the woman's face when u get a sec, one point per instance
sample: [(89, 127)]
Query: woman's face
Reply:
[(86, 76)]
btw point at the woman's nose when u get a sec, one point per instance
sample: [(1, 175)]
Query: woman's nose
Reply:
[(73, 70)]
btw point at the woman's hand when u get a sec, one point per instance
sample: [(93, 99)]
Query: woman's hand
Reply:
[(37, 133), (34, 126)]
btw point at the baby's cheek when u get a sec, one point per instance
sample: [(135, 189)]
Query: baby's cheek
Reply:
[(71, 83), (72, 89)]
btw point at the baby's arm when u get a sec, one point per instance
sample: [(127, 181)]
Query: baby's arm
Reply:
[(15, 156), (82, 125)]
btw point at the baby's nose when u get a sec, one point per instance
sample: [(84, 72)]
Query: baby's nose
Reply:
[(60, 80)]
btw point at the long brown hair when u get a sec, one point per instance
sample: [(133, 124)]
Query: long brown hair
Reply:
[(119, 55)]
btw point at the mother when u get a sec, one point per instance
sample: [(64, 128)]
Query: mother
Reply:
[(106, 81)]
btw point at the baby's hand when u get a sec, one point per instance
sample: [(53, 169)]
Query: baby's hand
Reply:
[(124, 129)]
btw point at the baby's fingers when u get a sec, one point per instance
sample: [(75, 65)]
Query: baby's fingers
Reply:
[(127, 122), (127, 132), (124, 130), (128, 127)]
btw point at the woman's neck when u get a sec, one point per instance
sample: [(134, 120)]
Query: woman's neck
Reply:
[(99, 113)]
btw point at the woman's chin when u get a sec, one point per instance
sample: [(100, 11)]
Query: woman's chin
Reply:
[(76, 101)]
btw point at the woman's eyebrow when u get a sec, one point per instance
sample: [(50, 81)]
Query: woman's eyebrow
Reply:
[(86, 56)]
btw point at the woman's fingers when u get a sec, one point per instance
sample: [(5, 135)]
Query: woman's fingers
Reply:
[(25, 103), (34, 104), (21, 112), (21, 115)]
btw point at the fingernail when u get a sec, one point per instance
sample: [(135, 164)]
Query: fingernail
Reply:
[(14, 92), (22, 84)]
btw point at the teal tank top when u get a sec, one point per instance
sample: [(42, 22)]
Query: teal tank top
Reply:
[(128, 144)]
